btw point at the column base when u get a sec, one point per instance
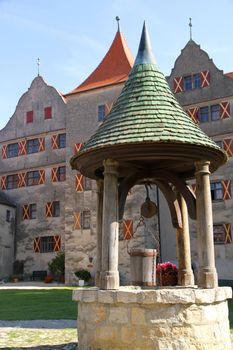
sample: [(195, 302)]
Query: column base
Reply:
[(207, 278), (110, 280), (185, 277), (98, 279)]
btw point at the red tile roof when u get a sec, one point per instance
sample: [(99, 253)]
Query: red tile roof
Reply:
[(113, 69), (230, 75)]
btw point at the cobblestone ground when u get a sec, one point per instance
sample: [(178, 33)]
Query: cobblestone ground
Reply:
[(38, 335)]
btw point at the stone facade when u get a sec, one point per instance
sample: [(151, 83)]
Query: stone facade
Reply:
[(171, 319), (22, 159)]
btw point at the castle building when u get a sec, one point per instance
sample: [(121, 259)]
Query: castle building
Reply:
[(206, 93), (56, 206)]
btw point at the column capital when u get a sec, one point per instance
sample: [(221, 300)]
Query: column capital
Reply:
[(110, 166), (202, 167)]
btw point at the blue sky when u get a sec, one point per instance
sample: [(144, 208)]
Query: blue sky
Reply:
[(71, 37)]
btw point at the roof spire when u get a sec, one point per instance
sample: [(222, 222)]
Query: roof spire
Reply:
[(38, 66), (190, 28), (145, 53), (118, 23)]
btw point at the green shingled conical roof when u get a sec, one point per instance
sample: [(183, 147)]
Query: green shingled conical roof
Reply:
[(147, 112)]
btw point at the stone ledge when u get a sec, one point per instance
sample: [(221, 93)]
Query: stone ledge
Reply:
[(172, 295)]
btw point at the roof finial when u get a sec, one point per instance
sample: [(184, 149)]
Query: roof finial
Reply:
[(190, 27), (38, 66), (145, 53), (118, 23)]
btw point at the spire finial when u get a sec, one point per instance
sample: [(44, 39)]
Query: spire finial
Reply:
[(38, 66), (190, 27), (145, 53), (118, 23)]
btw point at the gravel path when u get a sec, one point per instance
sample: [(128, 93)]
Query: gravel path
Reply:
[(47, 324)]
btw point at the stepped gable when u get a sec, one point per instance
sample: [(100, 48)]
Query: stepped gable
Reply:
[(147, 113), (113, 69)]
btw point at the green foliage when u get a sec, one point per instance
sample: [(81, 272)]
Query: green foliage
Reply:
[(57, 264), (43, 304), (83, 275)]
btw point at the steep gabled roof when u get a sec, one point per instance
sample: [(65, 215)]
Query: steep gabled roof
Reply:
[(113, 69)]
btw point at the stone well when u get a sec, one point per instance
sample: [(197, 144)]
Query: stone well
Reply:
[(161, 319)]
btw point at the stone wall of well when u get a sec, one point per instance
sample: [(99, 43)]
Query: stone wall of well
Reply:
[(163, 319)]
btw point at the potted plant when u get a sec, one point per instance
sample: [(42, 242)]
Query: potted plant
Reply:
[(83, 276), (167, 273)]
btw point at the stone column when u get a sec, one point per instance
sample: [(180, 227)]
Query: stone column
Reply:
[(207, 275), (99, 217), (185, 273), (110, 227)]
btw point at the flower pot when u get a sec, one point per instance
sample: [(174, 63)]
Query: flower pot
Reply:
[(81, 283), (168, 279)]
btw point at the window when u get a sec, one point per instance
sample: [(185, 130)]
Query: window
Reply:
[(56, 209), (29, 117), (216, 191), (47, 244), (203, 114), (101, 113), (32, 211), (215, 112), (196, 81), (33, 178), (12, 181), (219, 234), (192, 82), (222, 234), (8, 215), (32, 146), (87, 184), (61, 173), (61, 140), (12, 150), (47, 112), (86, 219), (188, 83)]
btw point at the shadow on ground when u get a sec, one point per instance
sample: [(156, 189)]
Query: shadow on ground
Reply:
[(68, 346)]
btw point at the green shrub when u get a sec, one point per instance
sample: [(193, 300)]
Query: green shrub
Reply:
[(57, 264), (83, 275)]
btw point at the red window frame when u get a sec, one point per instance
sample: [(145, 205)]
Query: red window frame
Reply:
[(48, 112), (29, 117)]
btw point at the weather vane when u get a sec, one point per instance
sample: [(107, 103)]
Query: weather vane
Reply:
[(38, 66), (118, 23), (190, 27)]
